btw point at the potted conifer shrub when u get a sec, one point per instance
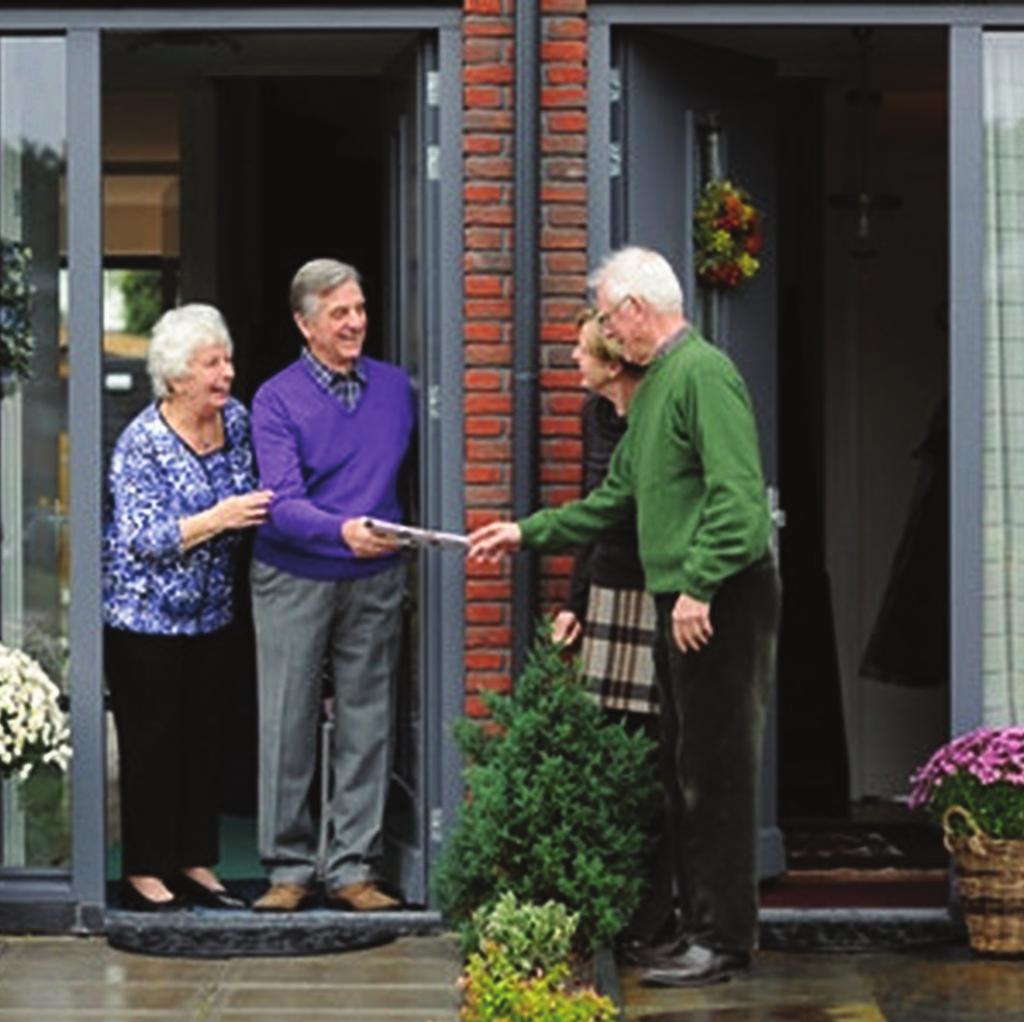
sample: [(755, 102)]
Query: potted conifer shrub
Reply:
[(558, 806)]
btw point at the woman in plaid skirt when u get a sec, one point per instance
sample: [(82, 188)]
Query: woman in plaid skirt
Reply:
[(607, 603)]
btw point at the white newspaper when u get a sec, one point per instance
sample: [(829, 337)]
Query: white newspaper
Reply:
[(409, 535)]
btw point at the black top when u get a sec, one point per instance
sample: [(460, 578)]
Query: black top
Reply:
[(612, 560)]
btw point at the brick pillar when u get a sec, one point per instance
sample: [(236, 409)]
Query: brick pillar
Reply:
[(488, 163), (563, 199), (488, 71)]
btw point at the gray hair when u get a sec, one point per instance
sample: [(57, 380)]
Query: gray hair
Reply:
[(642, 273), (177, 335), (316, 278)]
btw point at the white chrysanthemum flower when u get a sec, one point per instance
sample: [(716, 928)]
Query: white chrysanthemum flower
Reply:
[(33, 727)]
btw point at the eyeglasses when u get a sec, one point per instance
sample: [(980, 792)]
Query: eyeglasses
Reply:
[(603, 317)]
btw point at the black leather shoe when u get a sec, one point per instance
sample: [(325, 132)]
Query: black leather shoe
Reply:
[(697, 966), (208, 897), (133, 900), (640, 953)]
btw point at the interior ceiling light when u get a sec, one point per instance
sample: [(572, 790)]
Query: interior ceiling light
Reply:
[(866, 102)]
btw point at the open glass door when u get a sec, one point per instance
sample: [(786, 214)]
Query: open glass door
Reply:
[(690, 113), (409, 299), (35, 439)]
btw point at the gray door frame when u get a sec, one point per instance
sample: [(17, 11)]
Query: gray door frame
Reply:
[(966, 25), (56, 900)]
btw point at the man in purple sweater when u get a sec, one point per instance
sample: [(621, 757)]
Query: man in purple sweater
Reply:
[(331, 432)]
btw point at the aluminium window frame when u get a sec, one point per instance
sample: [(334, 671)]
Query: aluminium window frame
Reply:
[(56, 901), (966, 25)]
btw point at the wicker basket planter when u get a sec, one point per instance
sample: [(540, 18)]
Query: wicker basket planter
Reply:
[(990, 878)]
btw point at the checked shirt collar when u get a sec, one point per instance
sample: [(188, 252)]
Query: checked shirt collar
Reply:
[(347, 388)]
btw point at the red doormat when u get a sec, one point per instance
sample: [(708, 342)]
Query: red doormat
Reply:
[(851, 888)]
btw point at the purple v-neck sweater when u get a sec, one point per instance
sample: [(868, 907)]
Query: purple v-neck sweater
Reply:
[(326, 464)]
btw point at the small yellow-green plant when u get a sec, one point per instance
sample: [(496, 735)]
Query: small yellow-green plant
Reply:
[(520, 971), (535, 938), (495, 991)]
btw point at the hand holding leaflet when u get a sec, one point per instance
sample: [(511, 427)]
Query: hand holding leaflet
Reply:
[(411, 536)]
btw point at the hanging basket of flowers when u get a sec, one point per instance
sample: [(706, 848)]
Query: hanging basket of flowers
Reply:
[(16, 340), (974, 785), (33, 727), (728, 236)]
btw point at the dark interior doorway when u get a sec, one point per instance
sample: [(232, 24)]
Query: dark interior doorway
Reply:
[(229, 161), (862, 374)]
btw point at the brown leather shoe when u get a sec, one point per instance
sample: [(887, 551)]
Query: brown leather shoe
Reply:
[(364, 896), (283, 898)]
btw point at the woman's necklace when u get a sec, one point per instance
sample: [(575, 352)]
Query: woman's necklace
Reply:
[(202, 436)]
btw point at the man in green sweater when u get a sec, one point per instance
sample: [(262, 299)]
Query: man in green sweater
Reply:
[(689, 461)]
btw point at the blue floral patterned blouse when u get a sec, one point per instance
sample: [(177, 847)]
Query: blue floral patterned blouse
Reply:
[(149, 584)]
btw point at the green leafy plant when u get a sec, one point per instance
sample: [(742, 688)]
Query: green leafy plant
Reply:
[(982, 772), (143, 300), (558, 809), (495, 991), (521, 973), (536, 938)]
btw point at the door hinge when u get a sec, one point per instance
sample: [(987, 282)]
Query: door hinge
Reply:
[(434, 401), (436, 825), (614, 159), (614, 85), (433, 162), (433, 88)]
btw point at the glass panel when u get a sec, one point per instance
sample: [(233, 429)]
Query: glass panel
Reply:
[(1003, 514), (34, 436)]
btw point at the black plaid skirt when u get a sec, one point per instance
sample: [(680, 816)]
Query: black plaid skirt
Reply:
[(617, 655)]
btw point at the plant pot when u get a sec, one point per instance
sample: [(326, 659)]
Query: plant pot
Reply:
[(990, 879)]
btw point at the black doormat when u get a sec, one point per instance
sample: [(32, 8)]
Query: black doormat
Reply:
[(863, 845), (214, 933)]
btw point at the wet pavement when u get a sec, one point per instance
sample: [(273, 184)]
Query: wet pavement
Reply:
[(71, 979), (943, 984), (74, 979)]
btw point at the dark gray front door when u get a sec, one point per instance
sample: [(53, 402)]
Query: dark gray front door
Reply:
[(410, 299), (679, 102)]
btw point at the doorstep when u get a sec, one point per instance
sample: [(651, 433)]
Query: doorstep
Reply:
[(857, 929), (212, 933)]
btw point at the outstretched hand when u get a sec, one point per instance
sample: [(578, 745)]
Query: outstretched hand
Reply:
[(364, 542), (491, 542)]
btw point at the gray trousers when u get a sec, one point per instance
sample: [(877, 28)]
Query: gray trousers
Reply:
[(353, 627)]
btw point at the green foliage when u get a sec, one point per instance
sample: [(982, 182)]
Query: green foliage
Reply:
[(495, 991), (559, 805), (997, 808), (143, 301), (535, 938)]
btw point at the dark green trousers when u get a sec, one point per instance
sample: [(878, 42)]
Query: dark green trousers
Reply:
[(713, 706)]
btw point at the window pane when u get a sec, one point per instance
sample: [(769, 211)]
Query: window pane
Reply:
[(34, 434), (1003, 513)]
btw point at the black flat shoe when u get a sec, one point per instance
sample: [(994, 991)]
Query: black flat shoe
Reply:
[(133, 900), (199, 894)]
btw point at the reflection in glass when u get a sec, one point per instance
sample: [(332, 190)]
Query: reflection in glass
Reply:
[(34, 437), (1003, 508)]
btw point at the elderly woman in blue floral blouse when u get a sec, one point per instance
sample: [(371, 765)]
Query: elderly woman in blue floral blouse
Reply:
[(181, 490)]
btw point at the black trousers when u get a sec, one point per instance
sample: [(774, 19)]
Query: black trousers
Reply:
[(713, 706), (165, 696)]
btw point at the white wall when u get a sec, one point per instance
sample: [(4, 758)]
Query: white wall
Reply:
[(886, 369)]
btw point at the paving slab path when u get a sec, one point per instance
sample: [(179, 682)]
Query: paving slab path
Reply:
[(73, 979)]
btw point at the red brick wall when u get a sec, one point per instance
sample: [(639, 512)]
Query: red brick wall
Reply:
[(488, 161)]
